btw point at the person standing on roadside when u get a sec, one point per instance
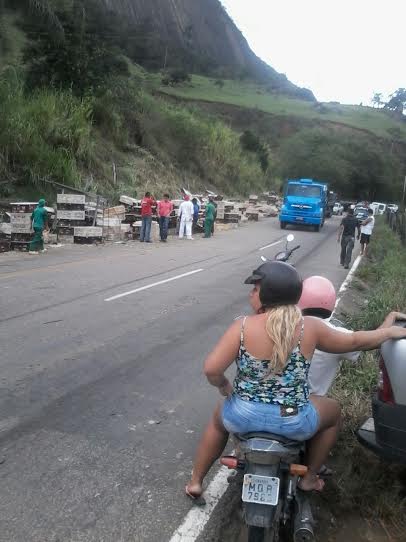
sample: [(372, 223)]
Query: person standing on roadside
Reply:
[(367, 227), (186, 218), (215, 216), (209, 218), (147, 203), (196, 209), (165, 208), (346, 234), (39, 220)]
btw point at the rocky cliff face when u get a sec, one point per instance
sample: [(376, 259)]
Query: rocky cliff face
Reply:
[(201, 32)]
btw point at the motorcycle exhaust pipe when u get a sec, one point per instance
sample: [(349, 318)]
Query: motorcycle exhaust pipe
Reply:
[(303, 527)]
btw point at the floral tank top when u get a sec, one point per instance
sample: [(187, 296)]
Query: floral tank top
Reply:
[(254, 383)]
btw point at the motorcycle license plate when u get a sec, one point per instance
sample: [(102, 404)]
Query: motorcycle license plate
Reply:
[(260, 489)]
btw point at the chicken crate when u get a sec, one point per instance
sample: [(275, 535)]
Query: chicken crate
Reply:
[(88, 235)]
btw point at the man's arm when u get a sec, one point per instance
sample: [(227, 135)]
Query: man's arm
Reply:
[(391, 319), (46, 226)]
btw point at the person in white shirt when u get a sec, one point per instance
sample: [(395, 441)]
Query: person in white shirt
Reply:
[(367, 227), (319, 299), (186, 211)]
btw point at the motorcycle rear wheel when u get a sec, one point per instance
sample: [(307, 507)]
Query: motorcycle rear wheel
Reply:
[(259, 534), (256, 534)]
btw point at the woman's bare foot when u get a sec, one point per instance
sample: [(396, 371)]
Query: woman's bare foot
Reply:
[(311, 482), (194, 491)]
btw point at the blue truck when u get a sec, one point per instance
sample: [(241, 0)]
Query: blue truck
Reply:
[(305, 202)]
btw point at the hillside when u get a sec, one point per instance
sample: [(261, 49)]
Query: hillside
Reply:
[(250, 95), (199, 36), (76, 106)]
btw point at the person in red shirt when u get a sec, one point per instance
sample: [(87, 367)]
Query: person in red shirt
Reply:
[(165, 208), (146, 216)]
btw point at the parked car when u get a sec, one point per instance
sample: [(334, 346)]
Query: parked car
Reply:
[(378, 208), (392, 207), (361, 213), (338, 209), (385, 432)]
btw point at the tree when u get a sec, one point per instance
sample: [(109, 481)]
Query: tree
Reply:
[(377, 99), (354, 165), (219, 83), (397, 102), (85, 58), (252, 143), (249, 141), (176, 77)]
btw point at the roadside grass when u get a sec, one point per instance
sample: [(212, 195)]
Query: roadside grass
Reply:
[(251, 95), (367, 485)]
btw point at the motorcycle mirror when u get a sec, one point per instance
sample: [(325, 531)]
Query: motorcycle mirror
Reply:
[(290, 238)]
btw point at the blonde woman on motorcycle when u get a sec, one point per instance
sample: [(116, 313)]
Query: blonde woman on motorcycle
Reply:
[(273, 350)]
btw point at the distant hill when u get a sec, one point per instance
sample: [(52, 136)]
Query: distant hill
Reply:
[(199, 36), (249, 95)]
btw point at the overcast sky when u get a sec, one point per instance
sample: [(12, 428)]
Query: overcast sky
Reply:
[(342, 50)]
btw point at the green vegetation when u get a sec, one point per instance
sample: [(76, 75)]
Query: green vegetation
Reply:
[(364, 483), (355, 164), (74, 104), (45, 135), (396, 102), (78, 105), (251, 95)]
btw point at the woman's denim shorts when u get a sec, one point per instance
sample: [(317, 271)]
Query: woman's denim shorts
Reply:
[(241, 416)]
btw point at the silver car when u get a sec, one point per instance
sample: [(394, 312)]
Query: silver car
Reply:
[(385, 432)]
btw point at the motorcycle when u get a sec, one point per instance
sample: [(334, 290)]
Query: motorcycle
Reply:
[(274, 507), (284, 255)]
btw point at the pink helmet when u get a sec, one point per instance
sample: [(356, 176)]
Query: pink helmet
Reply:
[(318, 294)]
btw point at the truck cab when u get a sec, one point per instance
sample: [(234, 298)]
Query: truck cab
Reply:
[(305, 202)]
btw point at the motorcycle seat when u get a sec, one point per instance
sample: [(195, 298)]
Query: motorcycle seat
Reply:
[(268, 436)]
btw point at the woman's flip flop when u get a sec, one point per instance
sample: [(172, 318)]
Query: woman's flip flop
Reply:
[(325, 472), (198, 500), (319, 487)]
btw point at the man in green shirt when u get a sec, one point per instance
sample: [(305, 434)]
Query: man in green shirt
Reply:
[(209, 219), (39, 219)]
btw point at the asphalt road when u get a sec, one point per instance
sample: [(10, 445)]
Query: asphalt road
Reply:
[(102, 402)]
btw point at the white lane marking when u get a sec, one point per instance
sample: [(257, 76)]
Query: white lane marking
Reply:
[(125, 294), (272, 245), (196, 519), (348, 280)]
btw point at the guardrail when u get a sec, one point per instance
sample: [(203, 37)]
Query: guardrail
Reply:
[(397, 222)]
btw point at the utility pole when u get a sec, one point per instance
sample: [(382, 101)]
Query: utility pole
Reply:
[(166, 57)]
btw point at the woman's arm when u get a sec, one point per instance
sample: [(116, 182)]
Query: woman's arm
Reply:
[(336, 342), (222, 356)]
